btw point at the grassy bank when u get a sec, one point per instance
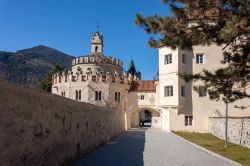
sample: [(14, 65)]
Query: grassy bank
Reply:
[(210, 142)]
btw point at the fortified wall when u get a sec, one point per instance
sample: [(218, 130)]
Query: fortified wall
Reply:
[(238, 129), (44, 129), (96, 69)]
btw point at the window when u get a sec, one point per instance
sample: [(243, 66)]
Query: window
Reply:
[(76, 95), (202, 92), (83, 78), (168, 59), (199, 58), (183, 58), (66, 78), (168, 91), (96, 48), (73, 78), (60, 79), (183, 91), (94, 78), (98, 95), (103, 78), (142, 97), (188, 120), (227, 59), (80, 95), (61, 93), (117, 96)]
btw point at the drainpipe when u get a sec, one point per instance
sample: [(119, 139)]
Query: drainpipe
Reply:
[(226, 124)]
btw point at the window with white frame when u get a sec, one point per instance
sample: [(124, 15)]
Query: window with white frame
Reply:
[(183, 91), (168, 91), (202, 92), (227, 58), (199, 58), (142, 97), (168, 59), (188, 120)]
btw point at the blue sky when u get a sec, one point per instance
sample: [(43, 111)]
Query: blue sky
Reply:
[(67, 25)]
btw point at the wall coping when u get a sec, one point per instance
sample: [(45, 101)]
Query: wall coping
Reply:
[(231, 117)]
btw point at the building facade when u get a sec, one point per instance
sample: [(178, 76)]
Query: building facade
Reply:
[(94, 78), (169, 103), (183, 109)]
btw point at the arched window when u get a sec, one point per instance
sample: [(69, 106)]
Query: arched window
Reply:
[(100, 95), (96, 48), (76, 95), (80, 94), (96, 95)]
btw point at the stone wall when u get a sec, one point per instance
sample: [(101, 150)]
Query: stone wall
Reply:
[(238, 129), (43, 129)]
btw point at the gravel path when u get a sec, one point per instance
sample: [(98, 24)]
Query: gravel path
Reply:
[(152, 147)]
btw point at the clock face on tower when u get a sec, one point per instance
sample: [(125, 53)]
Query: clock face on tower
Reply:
[(152, 99)]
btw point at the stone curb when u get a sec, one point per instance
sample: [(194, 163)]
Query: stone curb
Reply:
[(234, 163)]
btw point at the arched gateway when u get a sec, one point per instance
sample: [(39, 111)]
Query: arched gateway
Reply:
[(145, 117), (142, 105)]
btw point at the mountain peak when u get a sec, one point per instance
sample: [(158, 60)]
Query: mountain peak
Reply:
[(38, 49)]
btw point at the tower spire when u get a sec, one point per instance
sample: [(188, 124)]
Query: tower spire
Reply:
[(97, 42)]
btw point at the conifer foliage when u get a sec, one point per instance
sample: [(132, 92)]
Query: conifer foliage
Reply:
[(224, 22), (46, 83)]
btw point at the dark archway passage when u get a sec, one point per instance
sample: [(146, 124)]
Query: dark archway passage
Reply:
[(145, 118)]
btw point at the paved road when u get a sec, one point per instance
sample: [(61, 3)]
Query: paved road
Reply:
[(152, 147)]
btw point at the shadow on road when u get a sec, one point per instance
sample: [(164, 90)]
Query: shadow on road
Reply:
[(126, 150)]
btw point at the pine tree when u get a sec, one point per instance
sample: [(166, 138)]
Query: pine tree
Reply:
[(223, 22), (46, 83)]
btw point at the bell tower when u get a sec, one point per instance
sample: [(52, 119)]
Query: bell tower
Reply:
[(97, 43)]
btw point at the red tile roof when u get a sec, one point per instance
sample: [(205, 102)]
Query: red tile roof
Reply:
[(148, 85)]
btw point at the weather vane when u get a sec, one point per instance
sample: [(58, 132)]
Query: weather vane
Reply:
[(97, 26)]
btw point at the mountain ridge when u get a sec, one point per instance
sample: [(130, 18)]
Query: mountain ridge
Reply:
[(28, 66)]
